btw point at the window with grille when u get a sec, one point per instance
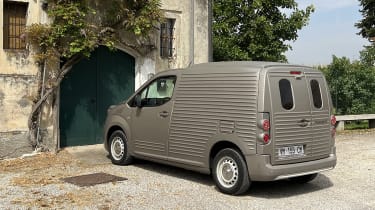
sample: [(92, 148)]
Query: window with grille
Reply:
[(14, 24), (167, 38)]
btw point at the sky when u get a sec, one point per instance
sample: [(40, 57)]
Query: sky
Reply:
[(330, 31)]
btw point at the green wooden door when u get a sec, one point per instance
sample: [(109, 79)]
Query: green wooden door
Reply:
[(88, 90)]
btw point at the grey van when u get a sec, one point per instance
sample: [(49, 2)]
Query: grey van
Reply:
[(239, 121)]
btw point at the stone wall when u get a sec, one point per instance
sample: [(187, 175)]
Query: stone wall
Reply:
[(14, 144), (18, 86)]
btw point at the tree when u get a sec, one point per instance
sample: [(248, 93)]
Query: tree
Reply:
[(367, 56), (77, 28), (256, 29), (352, 86), (352, 83), (367, 24)]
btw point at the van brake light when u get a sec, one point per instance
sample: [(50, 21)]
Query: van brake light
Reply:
[(266, 138), (295, 72)]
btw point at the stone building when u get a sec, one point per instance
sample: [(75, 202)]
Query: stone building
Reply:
[(183, 39)]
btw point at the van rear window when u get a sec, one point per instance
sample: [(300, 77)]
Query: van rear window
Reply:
[(286, 94), (317, 96)]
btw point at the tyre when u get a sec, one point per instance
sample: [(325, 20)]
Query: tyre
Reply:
[(230, 172), (303, 179), (118, 149)]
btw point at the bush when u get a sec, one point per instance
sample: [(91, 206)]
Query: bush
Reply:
[(352, 86)]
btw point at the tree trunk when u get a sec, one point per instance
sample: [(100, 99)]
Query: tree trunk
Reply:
[(37, 108)]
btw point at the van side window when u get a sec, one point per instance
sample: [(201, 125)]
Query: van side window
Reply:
[(286, 94), (317, 96), (157, 92)]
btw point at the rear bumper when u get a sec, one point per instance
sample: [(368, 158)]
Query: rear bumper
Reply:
[(260, 168)]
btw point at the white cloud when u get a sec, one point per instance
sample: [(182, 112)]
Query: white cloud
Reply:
[(327, 4)]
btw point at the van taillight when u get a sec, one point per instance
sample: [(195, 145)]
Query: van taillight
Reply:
[(333, 126), (333, 120), (265, 126), (266, 138)]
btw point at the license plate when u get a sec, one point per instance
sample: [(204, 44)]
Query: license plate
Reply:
[(291, 151)]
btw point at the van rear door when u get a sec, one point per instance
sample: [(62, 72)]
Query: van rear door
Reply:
[(299, 131), (320, 110)]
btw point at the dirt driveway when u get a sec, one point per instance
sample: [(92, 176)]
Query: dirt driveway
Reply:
[(35, 183)]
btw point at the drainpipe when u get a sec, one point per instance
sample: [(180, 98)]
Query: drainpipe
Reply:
[(192, 31)]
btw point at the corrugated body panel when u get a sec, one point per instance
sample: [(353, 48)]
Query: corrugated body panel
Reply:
[(322, 133), (210, 102), (149, 145), (227, 126), (315, 138)]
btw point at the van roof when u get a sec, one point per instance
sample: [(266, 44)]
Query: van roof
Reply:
[(253, 65)]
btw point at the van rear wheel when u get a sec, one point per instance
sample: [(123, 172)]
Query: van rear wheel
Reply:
[(230, 172)]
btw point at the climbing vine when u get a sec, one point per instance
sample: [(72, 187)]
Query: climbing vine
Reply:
[(76, 28)]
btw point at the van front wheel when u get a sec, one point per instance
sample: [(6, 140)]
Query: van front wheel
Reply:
[(118, 149), (230, 172)]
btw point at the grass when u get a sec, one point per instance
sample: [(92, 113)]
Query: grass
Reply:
[(356, 125)]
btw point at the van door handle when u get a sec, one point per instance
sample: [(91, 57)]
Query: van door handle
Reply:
[(303, 123), (164, 114)]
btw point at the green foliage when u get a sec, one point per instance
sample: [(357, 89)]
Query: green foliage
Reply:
[(366, 25), (256, 29), (368, 56), (354, 125), (352, 86), (137, 16), (70, 31), (39, 36), (78, 26)]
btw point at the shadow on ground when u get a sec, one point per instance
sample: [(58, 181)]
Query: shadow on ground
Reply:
[(275, 189), (96, 155), (286, 188)]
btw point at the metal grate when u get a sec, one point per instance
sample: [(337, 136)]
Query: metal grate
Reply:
[(167, 38), (93, 179), (14, 25)]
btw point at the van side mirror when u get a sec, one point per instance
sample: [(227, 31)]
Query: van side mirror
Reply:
[(138, 101)]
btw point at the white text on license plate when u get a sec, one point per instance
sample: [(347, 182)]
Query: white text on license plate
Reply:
[(291, 151)]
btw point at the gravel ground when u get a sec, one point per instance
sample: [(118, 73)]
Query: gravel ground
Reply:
[(35, 183)]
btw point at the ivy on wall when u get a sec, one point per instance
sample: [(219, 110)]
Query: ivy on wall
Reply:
[(77, 28)]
